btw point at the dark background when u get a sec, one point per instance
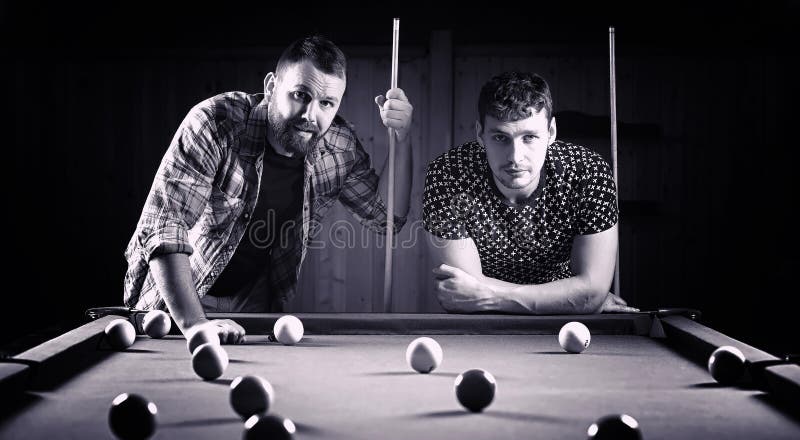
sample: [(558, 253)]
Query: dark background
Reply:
[(731, 250)]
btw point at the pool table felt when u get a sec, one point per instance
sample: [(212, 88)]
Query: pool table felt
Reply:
[(359, 386)]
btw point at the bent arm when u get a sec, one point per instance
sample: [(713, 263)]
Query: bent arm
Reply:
[(592, 262), (173, 278)]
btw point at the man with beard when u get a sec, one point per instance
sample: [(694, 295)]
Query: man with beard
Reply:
[(243, 184), (521, 222)]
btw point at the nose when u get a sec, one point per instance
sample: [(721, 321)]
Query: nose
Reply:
[(516, 154), (309, 112)]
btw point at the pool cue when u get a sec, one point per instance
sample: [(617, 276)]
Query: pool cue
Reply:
[(387, 274), (613, 97)]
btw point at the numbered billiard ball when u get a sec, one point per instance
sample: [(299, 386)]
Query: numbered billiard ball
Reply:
[(120, 334), (131, 416), (616, 427), (424, 355), (156, 324), (268, 426), (475, 389), (726, 365), (288, 330), (574, 337), (251, 395)]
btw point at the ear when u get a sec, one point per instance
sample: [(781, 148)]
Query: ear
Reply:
[(269, 84), (552, 130), (478, 132)]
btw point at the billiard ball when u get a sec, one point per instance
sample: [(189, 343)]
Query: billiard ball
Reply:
[(131, 416), (475, 389), (209, 361), (424, 355), (726, 365), (200, 335), (616, 427), (574, 337), (251, 395), (156, 324), (288, 330), (268, 426), (120, 334)]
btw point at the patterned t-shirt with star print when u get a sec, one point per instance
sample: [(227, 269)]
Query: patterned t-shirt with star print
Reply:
[(527, 243)]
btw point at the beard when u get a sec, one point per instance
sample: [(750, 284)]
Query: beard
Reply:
[(288, 132)]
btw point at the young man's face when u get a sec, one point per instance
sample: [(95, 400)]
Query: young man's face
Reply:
[(516, 149), (302, 104)]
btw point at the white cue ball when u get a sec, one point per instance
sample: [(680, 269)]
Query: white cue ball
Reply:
[(424, 355), (251, 395), (288, 330), (574, 337), (120, 334), (156, 324), (209, 361), (202, 335)]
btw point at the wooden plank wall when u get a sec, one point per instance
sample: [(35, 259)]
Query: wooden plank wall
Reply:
[(116, 115)]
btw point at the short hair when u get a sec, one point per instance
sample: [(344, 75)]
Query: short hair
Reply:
[(510, 95), (321, 51)]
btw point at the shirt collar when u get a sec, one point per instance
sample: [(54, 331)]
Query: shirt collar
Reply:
[(256, 129)]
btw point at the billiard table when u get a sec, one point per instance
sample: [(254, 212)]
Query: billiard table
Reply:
[(348, 379)]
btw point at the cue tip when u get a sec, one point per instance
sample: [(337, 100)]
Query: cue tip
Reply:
[(611, 29)]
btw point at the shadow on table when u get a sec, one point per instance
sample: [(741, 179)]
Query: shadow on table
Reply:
[(523, 417), (714, 385), (305, 342), (220, 381), (303, 428), (789, 409), (201, 422), (505, 415), (19, 403), (706, 385), (585, 353), (442, 414)]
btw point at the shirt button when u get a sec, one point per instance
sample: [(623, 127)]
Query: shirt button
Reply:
[(246, 215)]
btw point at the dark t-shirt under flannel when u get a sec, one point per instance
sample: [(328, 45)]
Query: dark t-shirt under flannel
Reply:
[(528, 243), (206, 189), (280, 198)]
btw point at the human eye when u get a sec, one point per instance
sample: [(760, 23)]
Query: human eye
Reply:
[(500, 138), (529, 138), (300, 95)]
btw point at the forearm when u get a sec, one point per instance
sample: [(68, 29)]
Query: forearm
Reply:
[(173, 278), (402, 178), (573, 295)]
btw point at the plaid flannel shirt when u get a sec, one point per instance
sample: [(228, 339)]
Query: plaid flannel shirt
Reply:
[(206, 188)]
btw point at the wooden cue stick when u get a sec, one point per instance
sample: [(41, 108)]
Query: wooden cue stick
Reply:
[(387, 275), (613, 96)]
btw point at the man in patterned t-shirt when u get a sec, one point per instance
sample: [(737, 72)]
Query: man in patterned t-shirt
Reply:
[(521, 222)]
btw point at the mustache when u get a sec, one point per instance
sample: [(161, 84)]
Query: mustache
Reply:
[(305, 126)]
